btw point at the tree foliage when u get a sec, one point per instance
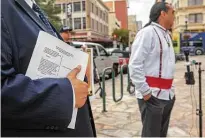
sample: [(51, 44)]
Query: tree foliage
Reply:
[(122, 35), (51, 11)]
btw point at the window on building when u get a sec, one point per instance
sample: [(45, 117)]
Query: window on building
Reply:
[(77, 6), (199, 2), (107, 18), (196, 18), (101, 29), (64, 22), (100, 26), (92, 8), (195, 2), (199, 18), (178, 4), (97, 26), (178, 20), (100, 14), (93, 25), (105, 29), (77, 23), (64, 7), (96, 10), (83, 5), (84, 23), (58, 5), (70, 22)]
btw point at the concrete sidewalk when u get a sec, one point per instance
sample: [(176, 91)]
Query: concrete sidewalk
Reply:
[(122, 119)]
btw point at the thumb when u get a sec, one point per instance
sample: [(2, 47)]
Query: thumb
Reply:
[(75, 71)]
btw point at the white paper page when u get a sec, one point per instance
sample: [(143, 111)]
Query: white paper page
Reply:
[(90, 53), (52, 58)]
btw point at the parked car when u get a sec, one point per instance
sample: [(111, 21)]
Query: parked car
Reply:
[(101, 58), (123, 58), (110, 50)]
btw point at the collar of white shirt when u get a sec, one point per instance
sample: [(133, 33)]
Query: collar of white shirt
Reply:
[(30, 2), (158, 25)]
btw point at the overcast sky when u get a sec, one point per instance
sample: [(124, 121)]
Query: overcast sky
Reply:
[(141, 8)]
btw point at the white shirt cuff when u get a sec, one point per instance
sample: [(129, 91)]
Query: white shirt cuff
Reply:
[(146, 92), (74, 114)]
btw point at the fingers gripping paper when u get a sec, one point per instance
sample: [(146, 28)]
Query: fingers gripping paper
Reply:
[(52, 58)]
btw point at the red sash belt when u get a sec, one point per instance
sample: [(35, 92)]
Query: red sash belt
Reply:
[(159, 82)]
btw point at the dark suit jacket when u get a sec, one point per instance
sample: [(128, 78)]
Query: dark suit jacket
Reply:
[(40, 107)]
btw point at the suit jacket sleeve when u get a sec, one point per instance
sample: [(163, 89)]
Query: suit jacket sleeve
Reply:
[(42, 102)]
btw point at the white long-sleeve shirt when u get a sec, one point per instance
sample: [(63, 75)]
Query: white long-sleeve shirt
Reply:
[(145, 61)]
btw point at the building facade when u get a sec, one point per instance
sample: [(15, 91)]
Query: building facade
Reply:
[(114, 23), (119, 7), (132, 27), (190, 15), (132, 23), (139, 25), (88, 18)]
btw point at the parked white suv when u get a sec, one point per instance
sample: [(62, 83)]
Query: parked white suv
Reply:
[(101, 57)]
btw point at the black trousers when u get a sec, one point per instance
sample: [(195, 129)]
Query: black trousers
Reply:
[(155, 115)]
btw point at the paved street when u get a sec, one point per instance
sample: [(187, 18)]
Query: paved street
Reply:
[(122, 119)]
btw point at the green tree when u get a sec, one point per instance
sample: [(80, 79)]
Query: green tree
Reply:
[(52, 11), (122, 35)]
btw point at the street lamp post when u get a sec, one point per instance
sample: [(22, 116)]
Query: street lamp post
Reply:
[(186, 50), (186, 30)]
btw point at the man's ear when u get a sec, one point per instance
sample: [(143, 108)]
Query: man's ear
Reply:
[(163, 13)]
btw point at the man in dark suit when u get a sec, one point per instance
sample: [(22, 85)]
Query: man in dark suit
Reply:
[(41, 107)]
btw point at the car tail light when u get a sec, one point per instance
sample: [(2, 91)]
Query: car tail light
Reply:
[(127, 60), (120, 61)]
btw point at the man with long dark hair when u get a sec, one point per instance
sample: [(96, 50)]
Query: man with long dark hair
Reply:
[(151, 67)]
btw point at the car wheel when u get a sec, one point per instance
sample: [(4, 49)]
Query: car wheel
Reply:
[(115, 69), (125, 70), (199, 52)]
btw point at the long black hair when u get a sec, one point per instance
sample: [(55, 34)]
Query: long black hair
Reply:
[(156, 11)]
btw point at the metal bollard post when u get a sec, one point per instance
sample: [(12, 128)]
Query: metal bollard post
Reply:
[(103, 87), (121, 83), (130, 85), (128, 79)]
